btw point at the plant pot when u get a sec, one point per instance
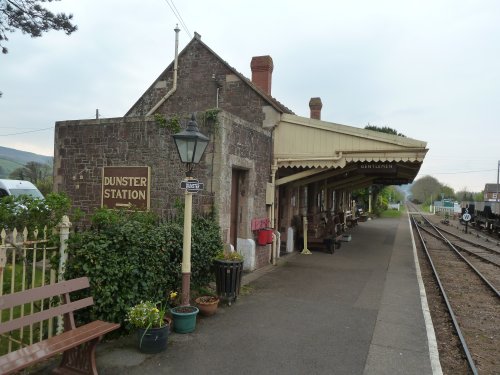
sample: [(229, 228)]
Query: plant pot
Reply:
[(207, 305), (152, 340), (184, 318), (228, 278)]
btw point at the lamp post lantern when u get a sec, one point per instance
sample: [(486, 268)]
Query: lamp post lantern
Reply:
[(191, 145)]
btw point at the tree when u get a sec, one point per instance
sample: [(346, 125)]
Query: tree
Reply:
[(37, 173), (479, 197), (384, 129), (32, 172), (425, 189), (31, 18), (448, 192), (394, 194)]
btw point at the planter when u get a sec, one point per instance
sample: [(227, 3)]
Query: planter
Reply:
[(207, 305), (184, 318), (152, 340), (228, 278)]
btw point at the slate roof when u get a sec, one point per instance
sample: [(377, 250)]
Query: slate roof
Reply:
[(490, 188)]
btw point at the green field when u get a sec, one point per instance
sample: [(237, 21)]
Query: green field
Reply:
[(7, 167), (394, 213)]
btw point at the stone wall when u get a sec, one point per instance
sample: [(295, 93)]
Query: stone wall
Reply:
[(247, 148), (83, 147), (202, 77)]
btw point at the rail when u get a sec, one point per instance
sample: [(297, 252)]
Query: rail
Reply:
[(456, 326), (441, 237)]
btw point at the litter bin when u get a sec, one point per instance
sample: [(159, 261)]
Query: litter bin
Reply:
[(228, 278)]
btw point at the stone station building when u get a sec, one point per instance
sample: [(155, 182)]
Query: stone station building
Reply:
[(263, 165)]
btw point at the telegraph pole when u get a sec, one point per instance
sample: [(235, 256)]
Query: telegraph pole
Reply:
[(498, 172)]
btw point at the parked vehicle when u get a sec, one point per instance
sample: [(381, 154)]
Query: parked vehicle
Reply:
[(18, 187)]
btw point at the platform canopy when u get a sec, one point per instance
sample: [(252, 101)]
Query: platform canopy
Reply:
[(306, 149)]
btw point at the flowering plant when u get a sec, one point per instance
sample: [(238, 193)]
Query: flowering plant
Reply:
[(146, 315), (172, 299), (231, 255)]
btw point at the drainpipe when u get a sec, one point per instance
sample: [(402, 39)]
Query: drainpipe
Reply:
[(174, 87), (274, 168)]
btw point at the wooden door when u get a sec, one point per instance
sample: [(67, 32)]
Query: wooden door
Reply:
[(235, 193)]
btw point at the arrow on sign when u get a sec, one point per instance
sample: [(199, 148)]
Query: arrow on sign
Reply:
[(128, 205)]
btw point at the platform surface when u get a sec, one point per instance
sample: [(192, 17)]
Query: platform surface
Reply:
[(357, 311)]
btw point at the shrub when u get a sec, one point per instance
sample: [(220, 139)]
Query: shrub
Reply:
[(130, 257), (27, 211)]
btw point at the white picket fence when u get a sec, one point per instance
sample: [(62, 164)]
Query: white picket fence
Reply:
[(25, 264)]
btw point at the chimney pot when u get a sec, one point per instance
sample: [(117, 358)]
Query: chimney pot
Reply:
[(262, 72), (315, 106)]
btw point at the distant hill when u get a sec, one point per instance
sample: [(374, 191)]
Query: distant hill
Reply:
[(11, 159)]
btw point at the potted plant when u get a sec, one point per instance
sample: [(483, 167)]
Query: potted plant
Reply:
[(151, 328), (228, 268), (184, 317), (207, 304)]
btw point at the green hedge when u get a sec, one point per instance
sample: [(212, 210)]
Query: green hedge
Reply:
[(131, 257)]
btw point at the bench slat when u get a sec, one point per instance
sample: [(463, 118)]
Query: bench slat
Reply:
[(42, 292), (27, 356), (45, 314)]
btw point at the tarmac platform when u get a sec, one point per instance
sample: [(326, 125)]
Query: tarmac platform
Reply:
[(358, 311)]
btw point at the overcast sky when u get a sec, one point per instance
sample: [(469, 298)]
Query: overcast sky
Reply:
[(429, 69)]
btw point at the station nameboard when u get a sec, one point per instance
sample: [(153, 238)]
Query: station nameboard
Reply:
[(378, 168), (126, 187)]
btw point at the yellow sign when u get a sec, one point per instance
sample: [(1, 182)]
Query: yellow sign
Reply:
[(126, 187)]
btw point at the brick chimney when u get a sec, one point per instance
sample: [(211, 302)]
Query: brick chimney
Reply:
[(315, 106), (262, 72)]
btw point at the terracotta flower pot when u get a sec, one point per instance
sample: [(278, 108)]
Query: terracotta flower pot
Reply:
[(207, 305)]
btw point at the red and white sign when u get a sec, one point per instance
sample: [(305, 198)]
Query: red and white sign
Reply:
[(260, 223)]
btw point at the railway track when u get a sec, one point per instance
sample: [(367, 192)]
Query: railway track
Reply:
[(486, 253), (468, 278), (479, 233)]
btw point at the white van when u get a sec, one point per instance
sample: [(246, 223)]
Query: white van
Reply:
[(18, 187)]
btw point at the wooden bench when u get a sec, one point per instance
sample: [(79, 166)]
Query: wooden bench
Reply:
[(362, 217), (325, 236), (76, 343), (351, 221)]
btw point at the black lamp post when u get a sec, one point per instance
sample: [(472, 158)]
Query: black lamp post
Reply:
[(191, 145)]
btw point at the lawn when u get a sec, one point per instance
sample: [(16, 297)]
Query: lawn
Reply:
[(393, 213)]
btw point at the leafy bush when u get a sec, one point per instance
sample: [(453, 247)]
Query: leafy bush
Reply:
[(129, 258), (27, 211)]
